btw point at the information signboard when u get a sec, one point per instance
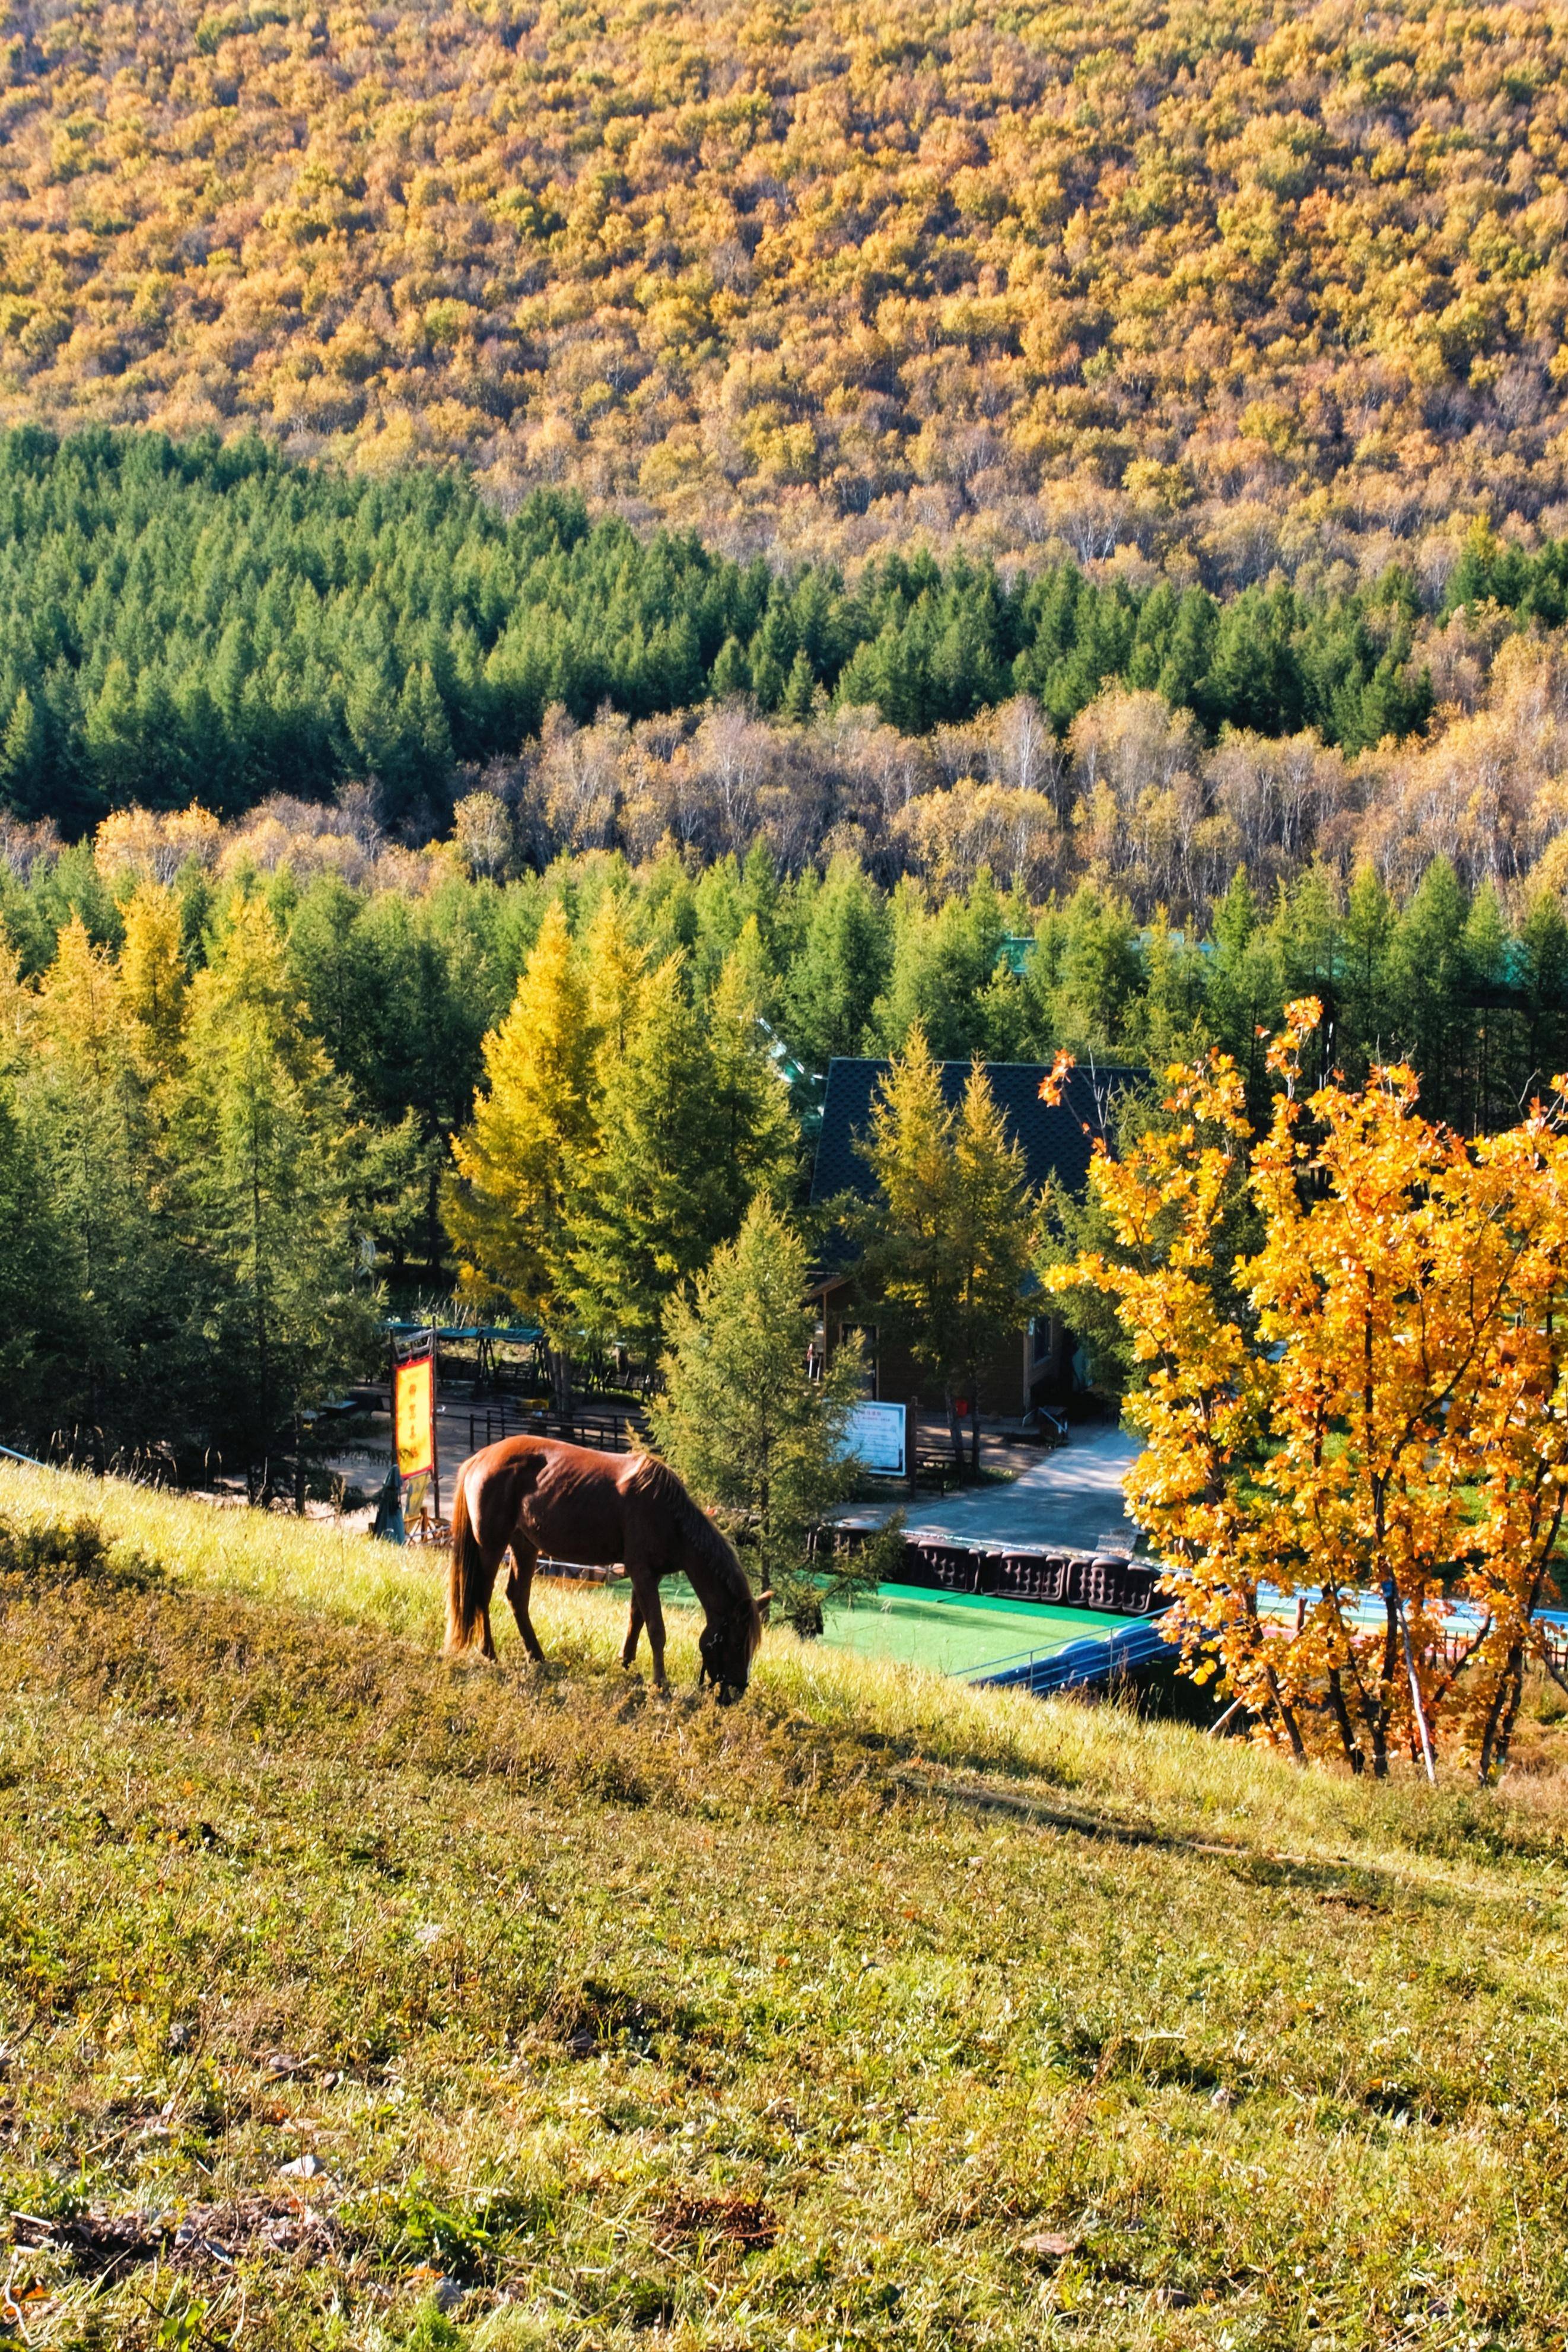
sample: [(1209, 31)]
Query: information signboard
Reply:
[(879, 1435), (413, 1416)]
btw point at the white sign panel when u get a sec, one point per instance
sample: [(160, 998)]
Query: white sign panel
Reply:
[(876, 1434)]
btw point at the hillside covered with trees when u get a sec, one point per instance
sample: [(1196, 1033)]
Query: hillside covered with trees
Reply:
[(235, 1063), (1218, 288), (206, 621)]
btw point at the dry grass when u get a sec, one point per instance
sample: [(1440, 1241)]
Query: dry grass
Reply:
[(645, 2021)]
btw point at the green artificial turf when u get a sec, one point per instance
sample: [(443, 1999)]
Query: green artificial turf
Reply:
[(952, 1635)]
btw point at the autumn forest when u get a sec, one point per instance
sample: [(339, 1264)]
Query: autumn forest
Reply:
[(990, 532), (1219, 290)]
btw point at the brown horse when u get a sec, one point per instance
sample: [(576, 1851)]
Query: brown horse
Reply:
[(534, 1494)]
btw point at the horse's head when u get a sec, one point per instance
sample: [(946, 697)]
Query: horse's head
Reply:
[(726, 1650)]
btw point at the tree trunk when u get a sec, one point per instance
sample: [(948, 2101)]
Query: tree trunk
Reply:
[(1351, 1746), (1502, 1717), (956, 1435), (432, 1227), (1288, 1717), (975, 1427), (1380, 1714)]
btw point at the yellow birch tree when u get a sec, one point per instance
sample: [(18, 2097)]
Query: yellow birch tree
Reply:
[(1367, 1422)]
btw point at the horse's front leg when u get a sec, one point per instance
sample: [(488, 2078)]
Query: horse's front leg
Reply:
[(653, 1618), (519, 1585), (633, 1628)]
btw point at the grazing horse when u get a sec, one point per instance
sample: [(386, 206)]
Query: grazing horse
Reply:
[(537, 1495)]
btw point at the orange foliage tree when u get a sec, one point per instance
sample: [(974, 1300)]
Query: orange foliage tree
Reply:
[(1356, 1434)]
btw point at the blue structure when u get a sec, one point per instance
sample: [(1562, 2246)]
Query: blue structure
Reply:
[(1099, 1658)]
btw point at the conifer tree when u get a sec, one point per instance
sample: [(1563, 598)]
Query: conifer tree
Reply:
[(153, 969), (800, 690), (1246, 985), (267, 1184), (339, 965), (740, 1418), (84, 1100), (990, 1236), (518, 1162), (1367, 1030), (1088, 972), (22, 749), (1544, 1051), (615, 966), (731, 672), (841, 969), (37, 1311), (946, 1239), (655, 1198), (754, 1125), (1428, 974)]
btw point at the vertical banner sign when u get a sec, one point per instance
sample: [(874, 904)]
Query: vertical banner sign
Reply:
[(413, 1416)]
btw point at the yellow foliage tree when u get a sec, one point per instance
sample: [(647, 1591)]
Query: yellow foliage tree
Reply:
[(152, 974), (505, 1206), (1356, 1437)]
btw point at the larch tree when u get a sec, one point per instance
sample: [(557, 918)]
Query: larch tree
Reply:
[(84, 1100), (992, 1216), (517, 1164), (946, 1239), (152, 971), (655, 1197), (267, 1181)]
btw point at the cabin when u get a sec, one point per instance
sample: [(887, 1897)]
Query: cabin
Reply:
[(1035, 1366)]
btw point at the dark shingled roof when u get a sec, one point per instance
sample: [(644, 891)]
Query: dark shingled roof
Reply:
[(1054, 1141)]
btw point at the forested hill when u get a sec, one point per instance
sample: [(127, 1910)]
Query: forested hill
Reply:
[(1256, 285), (209, 622)]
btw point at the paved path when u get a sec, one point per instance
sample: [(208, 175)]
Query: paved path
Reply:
[(1072, 1495)]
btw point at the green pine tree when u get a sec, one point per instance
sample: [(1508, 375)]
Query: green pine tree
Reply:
[(85, 1102), (741, 1420), (834, 981), (731, 673), (40, 1309), (269, 1156), (694, 1123), (800, 691), (1366, 1031)]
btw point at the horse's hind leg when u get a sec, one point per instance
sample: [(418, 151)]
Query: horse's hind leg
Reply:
[(519, 1584), (633, 1628)]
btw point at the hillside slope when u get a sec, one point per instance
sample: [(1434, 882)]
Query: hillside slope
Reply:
[(624, 2016), (1262, 286)]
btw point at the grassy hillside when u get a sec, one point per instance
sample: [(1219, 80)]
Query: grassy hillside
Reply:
[(1249, 285), (647, 2022)]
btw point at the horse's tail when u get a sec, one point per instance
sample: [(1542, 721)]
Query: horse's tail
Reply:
[(464, 1587)]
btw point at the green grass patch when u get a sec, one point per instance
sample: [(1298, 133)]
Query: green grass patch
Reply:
[(588, 2019)]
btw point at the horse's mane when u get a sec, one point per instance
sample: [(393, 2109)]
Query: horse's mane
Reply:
[(712, 1549)]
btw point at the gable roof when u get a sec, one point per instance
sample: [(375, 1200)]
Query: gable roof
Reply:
[(1052, 1140)]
